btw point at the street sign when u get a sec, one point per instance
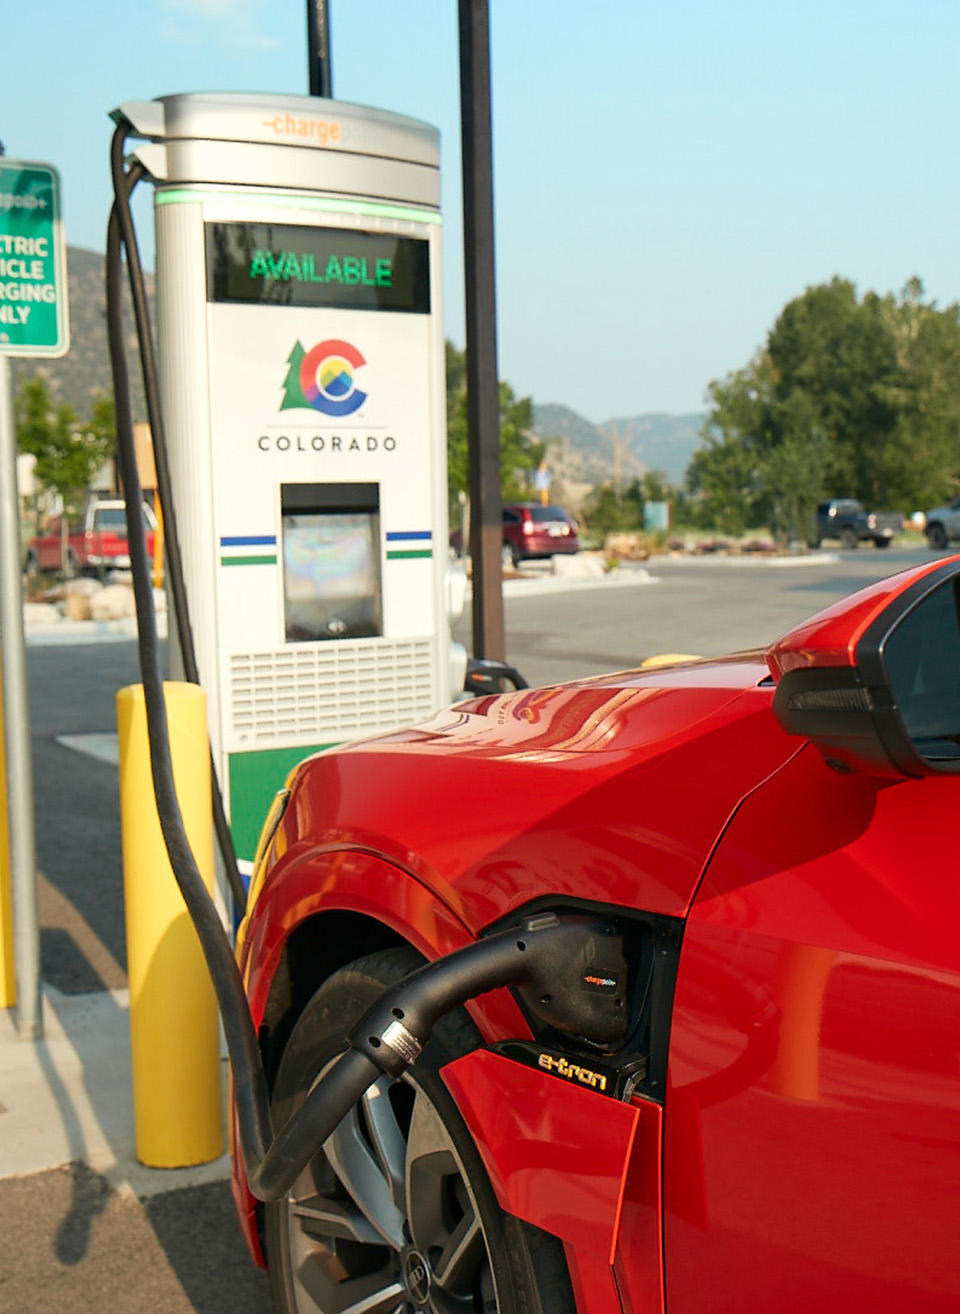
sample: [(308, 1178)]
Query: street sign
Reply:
[(33, 263)]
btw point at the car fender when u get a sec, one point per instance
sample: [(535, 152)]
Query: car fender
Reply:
[(353, 880)]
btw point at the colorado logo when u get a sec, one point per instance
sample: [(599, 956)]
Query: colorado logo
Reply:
[(324, 378)]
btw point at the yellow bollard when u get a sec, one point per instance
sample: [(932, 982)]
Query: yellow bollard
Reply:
[(8, 974), (173, 1016)]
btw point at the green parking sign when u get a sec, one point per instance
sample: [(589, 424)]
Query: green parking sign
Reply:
[(33, 264)]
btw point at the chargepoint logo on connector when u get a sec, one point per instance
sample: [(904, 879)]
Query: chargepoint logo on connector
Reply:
[(324, 378)]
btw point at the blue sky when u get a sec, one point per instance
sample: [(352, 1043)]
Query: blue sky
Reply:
[(668, 175)]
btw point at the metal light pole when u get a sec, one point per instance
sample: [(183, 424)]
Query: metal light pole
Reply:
[(483, 400), (483, 403), (318, 47)]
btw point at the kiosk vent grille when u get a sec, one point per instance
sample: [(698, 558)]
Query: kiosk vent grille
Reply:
[(330, 692)]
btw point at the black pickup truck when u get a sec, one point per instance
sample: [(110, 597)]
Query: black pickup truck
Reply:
[(844, 518)]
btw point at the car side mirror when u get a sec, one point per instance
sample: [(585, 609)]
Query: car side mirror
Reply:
[(874, 681)]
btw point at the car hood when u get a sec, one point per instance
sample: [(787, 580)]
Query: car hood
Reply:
[(611, 790)]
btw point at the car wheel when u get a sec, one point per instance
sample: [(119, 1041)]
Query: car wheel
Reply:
[(848, 539), (883, 542), (396, 1212), (937, 536)]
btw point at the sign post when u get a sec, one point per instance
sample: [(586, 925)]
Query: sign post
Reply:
[(33, 322)]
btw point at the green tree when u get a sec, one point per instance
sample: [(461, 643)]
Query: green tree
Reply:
[(849, 396), (725, 474), (922, 464), (605, 513), (520, 453), (839, 353), (67, 454)]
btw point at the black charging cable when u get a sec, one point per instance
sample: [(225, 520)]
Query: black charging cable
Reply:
[(174, 558)]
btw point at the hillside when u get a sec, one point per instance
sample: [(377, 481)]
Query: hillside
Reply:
[(585, 451), (662, 442), (85, 370)]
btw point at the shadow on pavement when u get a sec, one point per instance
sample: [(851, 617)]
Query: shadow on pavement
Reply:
[(109, 1253), (198, 1231), (89, 1194)]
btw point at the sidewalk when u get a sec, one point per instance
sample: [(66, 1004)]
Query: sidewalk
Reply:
[(84, 1226), (68, 1097)]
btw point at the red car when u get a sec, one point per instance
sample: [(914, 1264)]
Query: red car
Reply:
[(764, 1112), (531, 530)]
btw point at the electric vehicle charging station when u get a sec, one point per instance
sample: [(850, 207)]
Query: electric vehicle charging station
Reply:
[(302, 382)]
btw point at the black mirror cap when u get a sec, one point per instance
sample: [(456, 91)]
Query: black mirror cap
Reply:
[(850, 712), (836, 710)]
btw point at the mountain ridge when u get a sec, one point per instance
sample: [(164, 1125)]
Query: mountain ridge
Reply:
[(655, 440)]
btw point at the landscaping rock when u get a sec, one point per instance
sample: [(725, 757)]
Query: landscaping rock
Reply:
[(77, 597), (581, 566), (40, 613), (632, 546), (112, 603)]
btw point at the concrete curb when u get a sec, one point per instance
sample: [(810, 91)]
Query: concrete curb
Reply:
[(624, 577), (715, 559)]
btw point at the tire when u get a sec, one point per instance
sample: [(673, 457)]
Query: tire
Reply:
[(848, 539), (440, 1245), (937, 536), (882, 542)]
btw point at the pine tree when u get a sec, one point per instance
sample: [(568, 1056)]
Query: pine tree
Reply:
[(293, 397)]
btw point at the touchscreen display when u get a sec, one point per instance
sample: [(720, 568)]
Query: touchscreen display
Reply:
[(331, 574)]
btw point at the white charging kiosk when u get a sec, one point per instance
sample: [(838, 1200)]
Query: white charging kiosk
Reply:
[(302, 379)]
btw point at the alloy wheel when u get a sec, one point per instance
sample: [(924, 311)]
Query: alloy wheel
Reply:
[(384, 1221)]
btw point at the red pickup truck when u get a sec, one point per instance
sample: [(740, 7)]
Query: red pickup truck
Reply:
[(97, 546)]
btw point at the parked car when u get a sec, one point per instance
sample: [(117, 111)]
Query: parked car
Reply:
[(943, 524), (95, 546), (770, 1117), (531, 530), (845, 518)]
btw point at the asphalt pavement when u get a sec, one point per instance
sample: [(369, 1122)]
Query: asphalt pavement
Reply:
[(82, 1226), (71, 1240)]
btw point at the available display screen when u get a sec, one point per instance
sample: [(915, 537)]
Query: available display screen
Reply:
[(331, 562), (293, 265)]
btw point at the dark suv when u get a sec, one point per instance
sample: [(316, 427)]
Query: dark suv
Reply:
[(532, 530)]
